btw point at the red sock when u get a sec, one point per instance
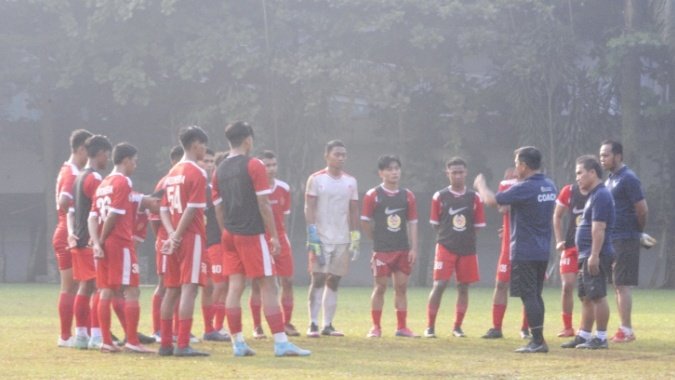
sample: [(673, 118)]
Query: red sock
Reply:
[(65, 307), (234, 319), (185, 325), (104, 319), (376, 315), (287, 306), (94, 310), (401, 317), (118, 306), (166, 332), (498, 311), (219, 316), (207, 313), (460, 312), (255, 311), (432, 311), (525, 325), (81, 307), (275, 321), (156, 312), (132, 312), (567, 320)]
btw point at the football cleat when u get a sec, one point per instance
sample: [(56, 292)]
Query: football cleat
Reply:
[(81, 342), (194, 339), (215, 336), (331, 331), (533, 348), (165, 351), (291, 330), (144, 339), (621, 337), (313, 331), (157, 336), (138, 349), (375, 332), (289, 349), (66, 343), (188, 352), (457, 332), (566, 333), (259, 333), (406, 333), (594, 344), (110, 348), (242, 349), (493, 333), (95, 343), (429, 332), (574, 342)]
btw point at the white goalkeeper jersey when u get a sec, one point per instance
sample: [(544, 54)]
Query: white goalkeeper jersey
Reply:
[(333, 197)]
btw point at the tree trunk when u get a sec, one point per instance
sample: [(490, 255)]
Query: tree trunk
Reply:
[(630, 87)]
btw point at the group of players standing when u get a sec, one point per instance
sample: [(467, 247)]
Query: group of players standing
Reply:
[(219, 220)]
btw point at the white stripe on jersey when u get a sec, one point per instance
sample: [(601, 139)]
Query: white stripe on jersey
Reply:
[(196, 260), (267, 259), (126, 266)]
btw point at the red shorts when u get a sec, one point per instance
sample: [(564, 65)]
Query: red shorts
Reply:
[(504, 267), (284, 261), (384, 264), (119, 266), (84, 267), (160, 259), (214, 254), (187, 264), (446, 262), (248, 255), (569, 259), (64, 259)]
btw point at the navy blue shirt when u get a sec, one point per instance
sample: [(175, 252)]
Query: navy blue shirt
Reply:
[(599, 208), (626, 190), (532, 202)]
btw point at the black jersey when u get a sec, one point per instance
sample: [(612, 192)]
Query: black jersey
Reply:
[(85, 187), (457, 231), (390, 216)]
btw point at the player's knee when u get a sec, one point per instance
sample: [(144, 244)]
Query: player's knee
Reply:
[(332, 282), (401, 289)]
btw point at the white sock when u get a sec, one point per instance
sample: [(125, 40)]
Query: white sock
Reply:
[(602, 335), (585, 334), (329, 306), (280, 337), (96, 332), (315, 305), (81, 331), (627, 330)]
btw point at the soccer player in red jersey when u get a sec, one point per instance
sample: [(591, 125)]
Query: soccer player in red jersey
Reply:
[(182, 214), (240, 191), (389, 217), (160, 237), (456, 214), (84, 269), (570, 200), (64, 199), (213, 294), (111, 225), (503, 276), (280, 200)]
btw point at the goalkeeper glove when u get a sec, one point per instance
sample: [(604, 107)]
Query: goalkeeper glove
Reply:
[(647, 241), (314, 244), (354, 245)]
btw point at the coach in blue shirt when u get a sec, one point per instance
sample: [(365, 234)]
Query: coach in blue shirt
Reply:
[(631, 216), (532, 201)]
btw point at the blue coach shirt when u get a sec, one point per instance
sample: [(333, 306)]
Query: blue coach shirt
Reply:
[(599, 208), (626, 190), (532, 202)]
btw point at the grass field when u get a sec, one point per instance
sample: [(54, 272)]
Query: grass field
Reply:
[(30, 328)]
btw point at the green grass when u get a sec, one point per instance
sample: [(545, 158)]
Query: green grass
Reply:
[(30, 327)]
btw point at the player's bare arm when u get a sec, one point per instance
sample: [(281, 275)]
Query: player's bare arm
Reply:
[(558, 214), (367, 227), (598, 237), (92, 225), (641, 213), (150, 203), (165, 218), (176, 236), (412, 238), (481, 187), (271, 228), (70, 224)]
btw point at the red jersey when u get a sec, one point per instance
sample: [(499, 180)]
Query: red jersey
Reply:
[(114, 195), (185, 186), (280, 200), (64, 186), (506, 223)]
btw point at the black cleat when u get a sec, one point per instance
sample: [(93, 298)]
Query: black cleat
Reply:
[(493, 334), (188, 351), (574, 342), (533, 348), (594, 344), (165, 351), (144, 339)]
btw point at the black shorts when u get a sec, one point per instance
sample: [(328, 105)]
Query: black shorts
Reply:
[(594, 287), (527, 278), (626, 262)]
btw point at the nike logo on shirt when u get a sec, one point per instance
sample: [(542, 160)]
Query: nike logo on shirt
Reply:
[(576, 211), (388, 211), (453, 212)]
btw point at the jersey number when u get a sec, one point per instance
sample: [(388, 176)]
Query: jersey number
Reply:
[(173, 196), (103, 205)]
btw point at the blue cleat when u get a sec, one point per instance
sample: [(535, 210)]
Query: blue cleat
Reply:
[(289, 349), (242, 349)]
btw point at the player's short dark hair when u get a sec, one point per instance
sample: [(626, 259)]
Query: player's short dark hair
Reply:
[(96, 144), (78, 137), (220, 156), (210, 152), (590, 162), (530, 156), (267, 155), (123, 150), (191, 134), (176, 153), (385, 160), (237, 132), (453, 161), (333, 144), (617, 148)]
